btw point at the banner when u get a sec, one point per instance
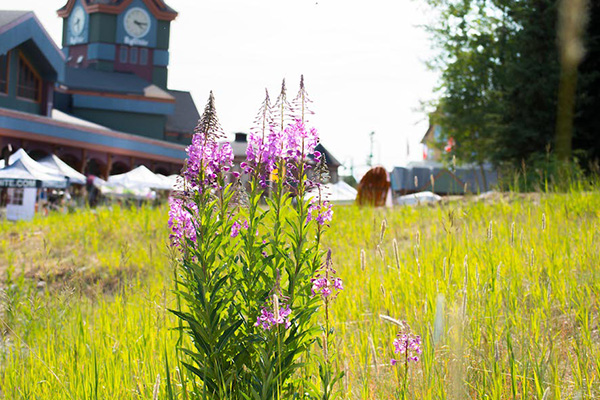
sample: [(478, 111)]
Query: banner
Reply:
[(19, 183)]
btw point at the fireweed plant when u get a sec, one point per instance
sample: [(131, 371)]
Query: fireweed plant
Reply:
[(251, 272), (407, 347)]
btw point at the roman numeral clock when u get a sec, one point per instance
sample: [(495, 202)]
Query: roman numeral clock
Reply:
[(118, 36)]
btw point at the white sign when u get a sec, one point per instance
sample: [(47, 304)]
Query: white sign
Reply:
[(135, 41), (18, 183), (76, 40)]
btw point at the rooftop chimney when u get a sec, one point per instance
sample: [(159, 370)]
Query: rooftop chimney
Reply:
[(241, 137)]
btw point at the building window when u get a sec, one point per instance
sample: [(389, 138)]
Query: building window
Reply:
[(29, 82), (123, 55), (133, 55), (4, 73), (16, 197), (143, 56)]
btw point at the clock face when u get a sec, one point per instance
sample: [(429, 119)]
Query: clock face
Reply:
[(77, 21), (137, 22)]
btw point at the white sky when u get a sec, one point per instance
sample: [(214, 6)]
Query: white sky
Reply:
[(363, 64)]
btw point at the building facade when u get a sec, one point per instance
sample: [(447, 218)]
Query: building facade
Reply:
[(101, 102)]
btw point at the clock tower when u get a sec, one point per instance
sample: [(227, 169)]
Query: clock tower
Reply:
[(117, 54), (119, 36)]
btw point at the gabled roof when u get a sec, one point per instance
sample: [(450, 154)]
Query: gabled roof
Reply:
[(89, 79), (8, 16), (429, 134), (158, 8), (23, 28), (186, 116), (329, 158)]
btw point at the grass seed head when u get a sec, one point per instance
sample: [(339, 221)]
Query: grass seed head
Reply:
[(383, 228), (543, 221), (396, 254), (512, 233), (363, 261)]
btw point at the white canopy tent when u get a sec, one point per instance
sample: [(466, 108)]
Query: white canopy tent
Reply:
[(22, 178), (417, 198), (176, 181), (125, 192), (340, 193), (25, 172), (59, 166), (139, 178)]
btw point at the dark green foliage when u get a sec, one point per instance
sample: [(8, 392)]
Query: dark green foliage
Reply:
[(500, 75), (587, 119)]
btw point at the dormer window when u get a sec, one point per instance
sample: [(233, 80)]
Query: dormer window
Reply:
[(4, 73), (29, 82)]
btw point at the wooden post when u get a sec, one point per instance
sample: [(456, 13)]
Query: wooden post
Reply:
[(108, 165), (83, 160)]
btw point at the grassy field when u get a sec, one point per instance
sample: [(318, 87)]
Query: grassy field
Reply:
[(504, 291)]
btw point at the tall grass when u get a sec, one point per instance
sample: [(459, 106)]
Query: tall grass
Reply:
[(504, 292)]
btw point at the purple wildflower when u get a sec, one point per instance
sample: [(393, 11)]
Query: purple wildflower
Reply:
[(409, 345), (277, 314), (181, 221), (338, 284), (207, 159), (299, 141), (321, 212), (325, 279), (236, 227), (263, 153)]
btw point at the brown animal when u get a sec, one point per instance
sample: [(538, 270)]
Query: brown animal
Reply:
[(373, 188)]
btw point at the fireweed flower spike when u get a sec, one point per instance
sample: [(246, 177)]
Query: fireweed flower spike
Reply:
[(273, 314), (207, 159), (181, 221), (322, 213), (301, 103), (264, 145), (408, 345), (299, 141), (325, 280)]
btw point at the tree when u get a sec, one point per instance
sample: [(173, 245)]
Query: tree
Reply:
[(500, 79)]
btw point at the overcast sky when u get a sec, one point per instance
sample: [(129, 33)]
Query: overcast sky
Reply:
[(363, 63)]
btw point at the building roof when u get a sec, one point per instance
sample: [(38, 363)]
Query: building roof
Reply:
[(113, 82), (68, 133), (329, 158), (185, 117), (429, 134), (157, 7), (22, 28), (8, 16)]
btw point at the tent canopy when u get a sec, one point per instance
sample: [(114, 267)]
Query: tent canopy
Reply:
[(417, 198), (339, 192), (26, 174), (60, 167), (139, 178)]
